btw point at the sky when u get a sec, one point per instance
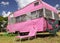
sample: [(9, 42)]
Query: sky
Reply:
[(8, 6)]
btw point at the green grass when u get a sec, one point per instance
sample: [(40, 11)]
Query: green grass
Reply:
[(41, 39)]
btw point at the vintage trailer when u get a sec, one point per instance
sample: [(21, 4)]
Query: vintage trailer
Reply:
[(32, 16)]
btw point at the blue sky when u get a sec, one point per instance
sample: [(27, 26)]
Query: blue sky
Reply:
[(52, 2), (13, 5)]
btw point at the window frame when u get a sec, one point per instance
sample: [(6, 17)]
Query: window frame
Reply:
[(11, 20), (19, 18), (48, 14), (38, 13), (56, 16)]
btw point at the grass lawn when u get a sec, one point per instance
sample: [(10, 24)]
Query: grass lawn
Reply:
[(41, 39)]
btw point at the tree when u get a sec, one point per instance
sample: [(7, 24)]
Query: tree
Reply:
[(54, 26), (3, 23)]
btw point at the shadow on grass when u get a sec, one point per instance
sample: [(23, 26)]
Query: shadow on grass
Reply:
[(25, 39), (39, 36), (46, 35)]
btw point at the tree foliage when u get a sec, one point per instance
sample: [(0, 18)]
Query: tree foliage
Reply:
[(3, 22)]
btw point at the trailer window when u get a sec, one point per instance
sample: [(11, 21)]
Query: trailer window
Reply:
[(56, 16), (11, 20), (21, 18), (33, 15), (28, 17), (39, 13), (48, 13), (18, 19)]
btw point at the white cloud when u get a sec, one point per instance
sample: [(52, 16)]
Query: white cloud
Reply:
[(22, 3), (57, 5), (4, 3), (4, 14)]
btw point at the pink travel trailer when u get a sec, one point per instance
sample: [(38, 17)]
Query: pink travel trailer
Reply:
[(34, 15)]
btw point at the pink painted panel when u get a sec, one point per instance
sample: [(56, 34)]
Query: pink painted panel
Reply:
[(39, 23), (47, 6), (31, 8), (10, 28), (26, 26)]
